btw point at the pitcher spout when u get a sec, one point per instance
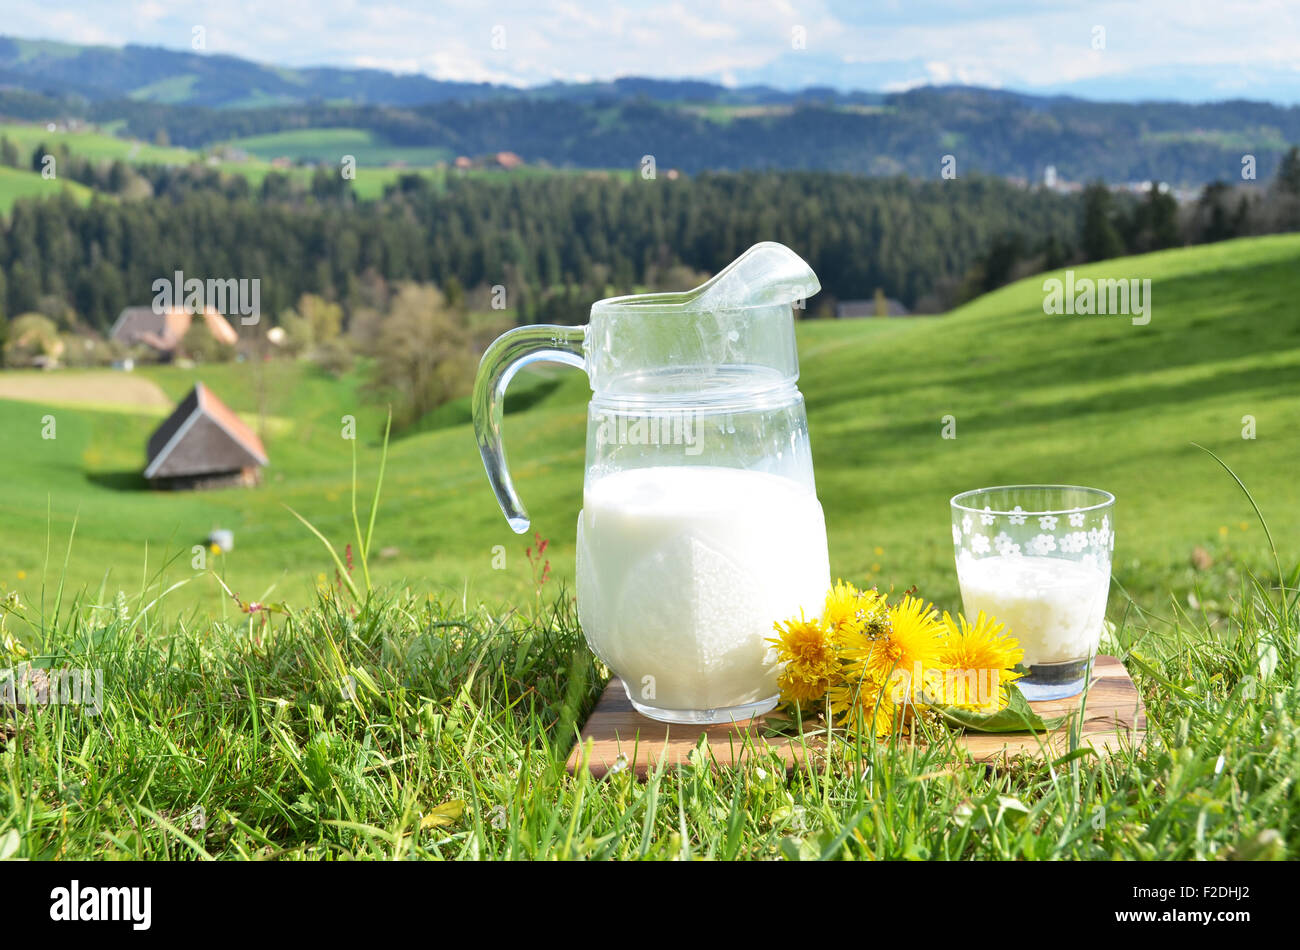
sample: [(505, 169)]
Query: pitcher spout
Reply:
[(766, 275)]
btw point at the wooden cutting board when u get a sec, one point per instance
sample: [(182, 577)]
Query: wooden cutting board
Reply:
[(1113, 718)]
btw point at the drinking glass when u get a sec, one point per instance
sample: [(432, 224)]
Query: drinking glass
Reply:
[(1037, 558)]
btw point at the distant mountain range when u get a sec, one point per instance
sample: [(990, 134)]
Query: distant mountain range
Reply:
[(201, 99), (182, 77)]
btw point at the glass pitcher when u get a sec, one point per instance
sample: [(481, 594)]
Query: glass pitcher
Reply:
[(700, 526)]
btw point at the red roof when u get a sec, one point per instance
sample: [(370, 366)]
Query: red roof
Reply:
[(202, 435), (163, 329), (226, 418)]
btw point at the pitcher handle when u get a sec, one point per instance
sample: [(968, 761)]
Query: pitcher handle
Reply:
[(508, 354)]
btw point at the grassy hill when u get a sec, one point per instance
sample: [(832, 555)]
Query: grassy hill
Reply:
[(94, 143), (379, 164), (428, 724), (328, 145), (1080, 399), (1037, 398), (102, 144), (16, 183)]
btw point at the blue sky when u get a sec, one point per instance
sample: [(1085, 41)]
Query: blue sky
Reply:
[(1183, 49)]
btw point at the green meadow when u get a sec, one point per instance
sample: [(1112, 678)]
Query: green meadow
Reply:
[(16, 183), (330, 145), (430, 715), (378, 164), (94, 143), (1032, 398)]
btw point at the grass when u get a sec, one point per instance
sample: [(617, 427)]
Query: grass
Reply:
[(1036, 398), (171, 90), (92, 143), (410, 726), (378, 164), (16, 183), (432, 716), (1088, 400), (102, 144), (330, 145), (1245, 141)]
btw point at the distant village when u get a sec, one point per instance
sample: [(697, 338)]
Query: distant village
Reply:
[(1054, 182)]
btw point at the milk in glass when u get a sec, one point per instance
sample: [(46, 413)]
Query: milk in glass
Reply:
[(1055, 607), (682, 572)]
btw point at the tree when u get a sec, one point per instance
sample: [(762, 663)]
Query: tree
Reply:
[(201, 346), (1213, 221), (277, 186), (99, 295), (1055, 254), (33, 339), (85, 350), (1001, 260), (454, 292), (1286, 187), (118, 176), (24, 288), (1100, 239), (334, 357), (328, 184), (315, 322), (1288, 172), (1154, 223), (423, 355)]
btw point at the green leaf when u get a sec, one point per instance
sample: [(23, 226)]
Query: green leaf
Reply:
[(1017, 716), (784, 720), (1079, 753)]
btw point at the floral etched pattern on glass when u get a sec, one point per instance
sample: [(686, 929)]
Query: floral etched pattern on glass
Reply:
[(1038, 558)]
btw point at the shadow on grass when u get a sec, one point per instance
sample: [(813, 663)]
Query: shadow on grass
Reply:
[(127, 480)]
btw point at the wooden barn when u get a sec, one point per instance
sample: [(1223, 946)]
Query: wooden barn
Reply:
[(203, 444), (163, 330)]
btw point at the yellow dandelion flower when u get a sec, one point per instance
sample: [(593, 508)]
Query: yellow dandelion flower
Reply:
[(864, 704), (849, 610), (22, 575), (910, 641), (811, 661), (878, 706), (980, 658)]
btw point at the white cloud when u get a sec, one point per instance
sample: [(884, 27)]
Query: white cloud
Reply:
[(988, 42)]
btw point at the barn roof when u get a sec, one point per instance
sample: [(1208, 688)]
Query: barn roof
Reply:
[(160, 329), (201, 436), (163, 329)]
